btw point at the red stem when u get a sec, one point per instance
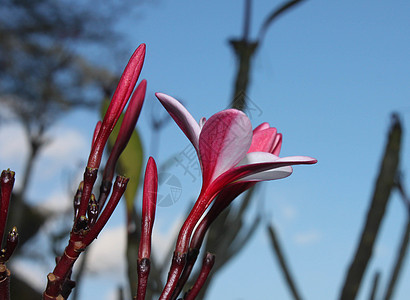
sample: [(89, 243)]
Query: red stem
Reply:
[(78, 242), (11, 244), (177, 265), (62, 269), (187, 228), (4, 282), (119, 187), (225, 197), (207, 265), (6, 183), (90, 176), (143, 272), (190, 262), (181, 249), (105, 190), (96, 132)]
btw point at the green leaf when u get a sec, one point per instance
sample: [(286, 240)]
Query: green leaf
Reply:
[(130, 162)]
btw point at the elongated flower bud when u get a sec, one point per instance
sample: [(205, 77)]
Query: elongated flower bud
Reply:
[(127, 127), (117, 104)]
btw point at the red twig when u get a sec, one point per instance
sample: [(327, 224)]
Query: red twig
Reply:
[(4, 282), (6, 184), (79, 240), (181, 249), (90, 176), (225, 197), (207, 265), (119, 187)]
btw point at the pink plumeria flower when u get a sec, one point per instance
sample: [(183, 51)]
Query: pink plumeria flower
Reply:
[(229, 151), (232, 159)]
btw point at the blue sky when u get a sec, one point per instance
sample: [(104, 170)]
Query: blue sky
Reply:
[(328, 75)]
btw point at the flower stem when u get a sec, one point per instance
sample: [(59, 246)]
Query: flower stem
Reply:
[(144, 266), (4, 282), (6, 183), (90, 176), (181, 249), (207, 265)]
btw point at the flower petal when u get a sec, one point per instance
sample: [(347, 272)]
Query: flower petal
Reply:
[(258, 157), (182, 117), (263, 140), (277, 145), (280, 165), (223, 142), (273, 174), (263, 126), (254, 163)]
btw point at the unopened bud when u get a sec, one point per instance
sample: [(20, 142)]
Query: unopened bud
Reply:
[(92, 211)]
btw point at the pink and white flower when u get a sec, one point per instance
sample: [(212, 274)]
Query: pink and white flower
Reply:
[(232, 159)]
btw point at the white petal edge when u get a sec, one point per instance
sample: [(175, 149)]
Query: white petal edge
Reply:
[(274, 174), (257, 157), (277, 173), (261, 157), (182, 117)]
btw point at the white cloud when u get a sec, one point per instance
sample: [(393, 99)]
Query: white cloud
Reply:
[(308, 237), (112, 295), (66, 148), (13, 141), (34, 273), (289, 212), (56, 203), (107, 252), (65, 143), (110, 248)]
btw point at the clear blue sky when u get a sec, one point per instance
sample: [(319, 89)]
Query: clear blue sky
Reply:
[(328, 75)]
